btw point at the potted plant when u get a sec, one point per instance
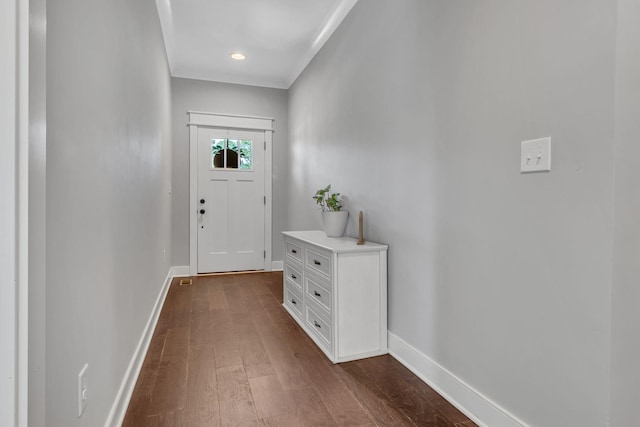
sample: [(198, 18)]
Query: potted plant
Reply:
[(334, 220)]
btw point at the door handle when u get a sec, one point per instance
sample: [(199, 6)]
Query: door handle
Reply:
[(202, 211), (202, 201)]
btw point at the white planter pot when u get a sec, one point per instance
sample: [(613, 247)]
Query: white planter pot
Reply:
[(335, 223)]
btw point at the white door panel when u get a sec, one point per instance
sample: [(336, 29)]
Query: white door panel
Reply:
[(231, 207)]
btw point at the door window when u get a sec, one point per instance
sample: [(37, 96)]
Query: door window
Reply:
[(231, 154)]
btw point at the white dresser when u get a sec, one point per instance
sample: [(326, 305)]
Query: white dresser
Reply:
[(337, 292)]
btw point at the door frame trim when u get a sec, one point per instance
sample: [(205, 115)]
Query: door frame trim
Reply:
[(231, 122), (14, 214)]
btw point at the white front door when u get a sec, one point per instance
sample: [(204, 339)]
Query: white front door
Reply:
[(231, 200)]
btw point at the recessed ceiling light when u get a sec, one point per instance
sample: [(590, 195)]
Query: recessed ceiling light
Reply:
[(238, 56)]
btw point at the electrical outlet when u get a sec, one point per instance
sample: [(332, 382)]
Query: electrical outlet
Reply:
[(83, 389)]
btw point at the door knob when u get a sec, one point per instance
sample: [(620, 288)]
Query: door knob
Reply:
[(202, 201), (201, 211)]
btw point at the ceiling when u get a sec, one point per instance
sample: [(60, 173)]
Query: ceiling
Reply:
[(278, 37)]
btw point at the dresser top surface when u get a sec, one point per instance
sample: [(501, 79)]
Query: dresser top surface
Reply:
[(334, 244)]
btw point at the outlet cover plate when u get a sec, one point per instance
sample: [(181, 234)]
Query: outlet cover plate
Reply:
[(536, 155)]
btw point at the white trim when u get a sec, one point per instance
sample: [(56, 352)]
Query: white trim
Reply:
[(119, 407), (277, 265), (14, 169), (340, 11), (208, 113), (180, 271), (193, 200), (268, 183), (165, 14), (237, 122), (469, 401), (230, 121), (22, 308)]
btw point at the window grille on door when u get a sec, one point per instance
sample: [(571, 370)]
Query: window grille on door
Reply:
[(231, 154)]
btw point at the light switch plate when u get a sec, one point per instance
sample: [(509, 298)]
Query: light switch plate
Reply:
[(536, 155)]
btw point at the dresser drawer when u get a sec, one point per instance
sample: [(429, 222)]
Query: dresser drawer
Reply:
[(318, 290), (318, 260), (294, 249), (293, 299), (293, 273), (318, 326)]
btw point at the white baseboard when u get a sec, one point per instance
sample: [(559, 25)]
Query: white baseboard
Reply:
[(119, 408), (180, 271), (183, 270), (469, 401)]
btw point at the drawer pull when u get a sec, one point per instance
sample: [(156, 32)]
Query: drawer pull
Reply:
[(294, 302), (294, 277), (293, 251), (316, 262), (317, 325), (316, 293)]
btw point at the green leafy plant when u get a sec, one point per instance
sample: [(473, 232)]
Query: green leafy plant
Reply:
[(328, 201)]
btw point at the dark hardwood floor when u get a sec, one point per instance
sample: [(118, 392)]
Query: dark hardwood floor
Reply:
[(225, 352)]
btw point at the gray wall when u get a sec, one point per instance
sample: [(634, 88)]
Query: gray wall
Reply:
[(108, 208), (415, 110), (9, 225), (625, 345), (213, 97), (37, 210)]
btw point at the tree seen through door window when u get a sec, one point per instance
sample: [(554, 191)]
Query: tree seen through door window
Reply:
[(231, 153)]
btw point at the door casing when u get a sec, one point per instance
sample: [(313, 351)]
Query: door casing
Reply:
[(235, 122), (14, 212)]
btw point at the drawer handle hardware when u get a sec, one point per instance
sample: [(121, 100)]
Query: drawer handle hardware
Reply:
[(293, 251), (317, 325), (316, 293), (294, 277), (316, 262), (294, 302)]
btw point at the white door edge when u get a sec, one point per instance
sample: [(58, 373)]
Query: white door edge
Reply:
[(14, 192), (237, 122)]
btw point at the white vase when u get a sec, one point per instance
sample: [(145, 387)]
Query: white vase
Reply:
[(335, 223)]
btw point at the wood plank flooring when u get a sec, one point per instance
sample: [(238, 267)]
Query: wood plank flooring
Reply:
[(225, 353)]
